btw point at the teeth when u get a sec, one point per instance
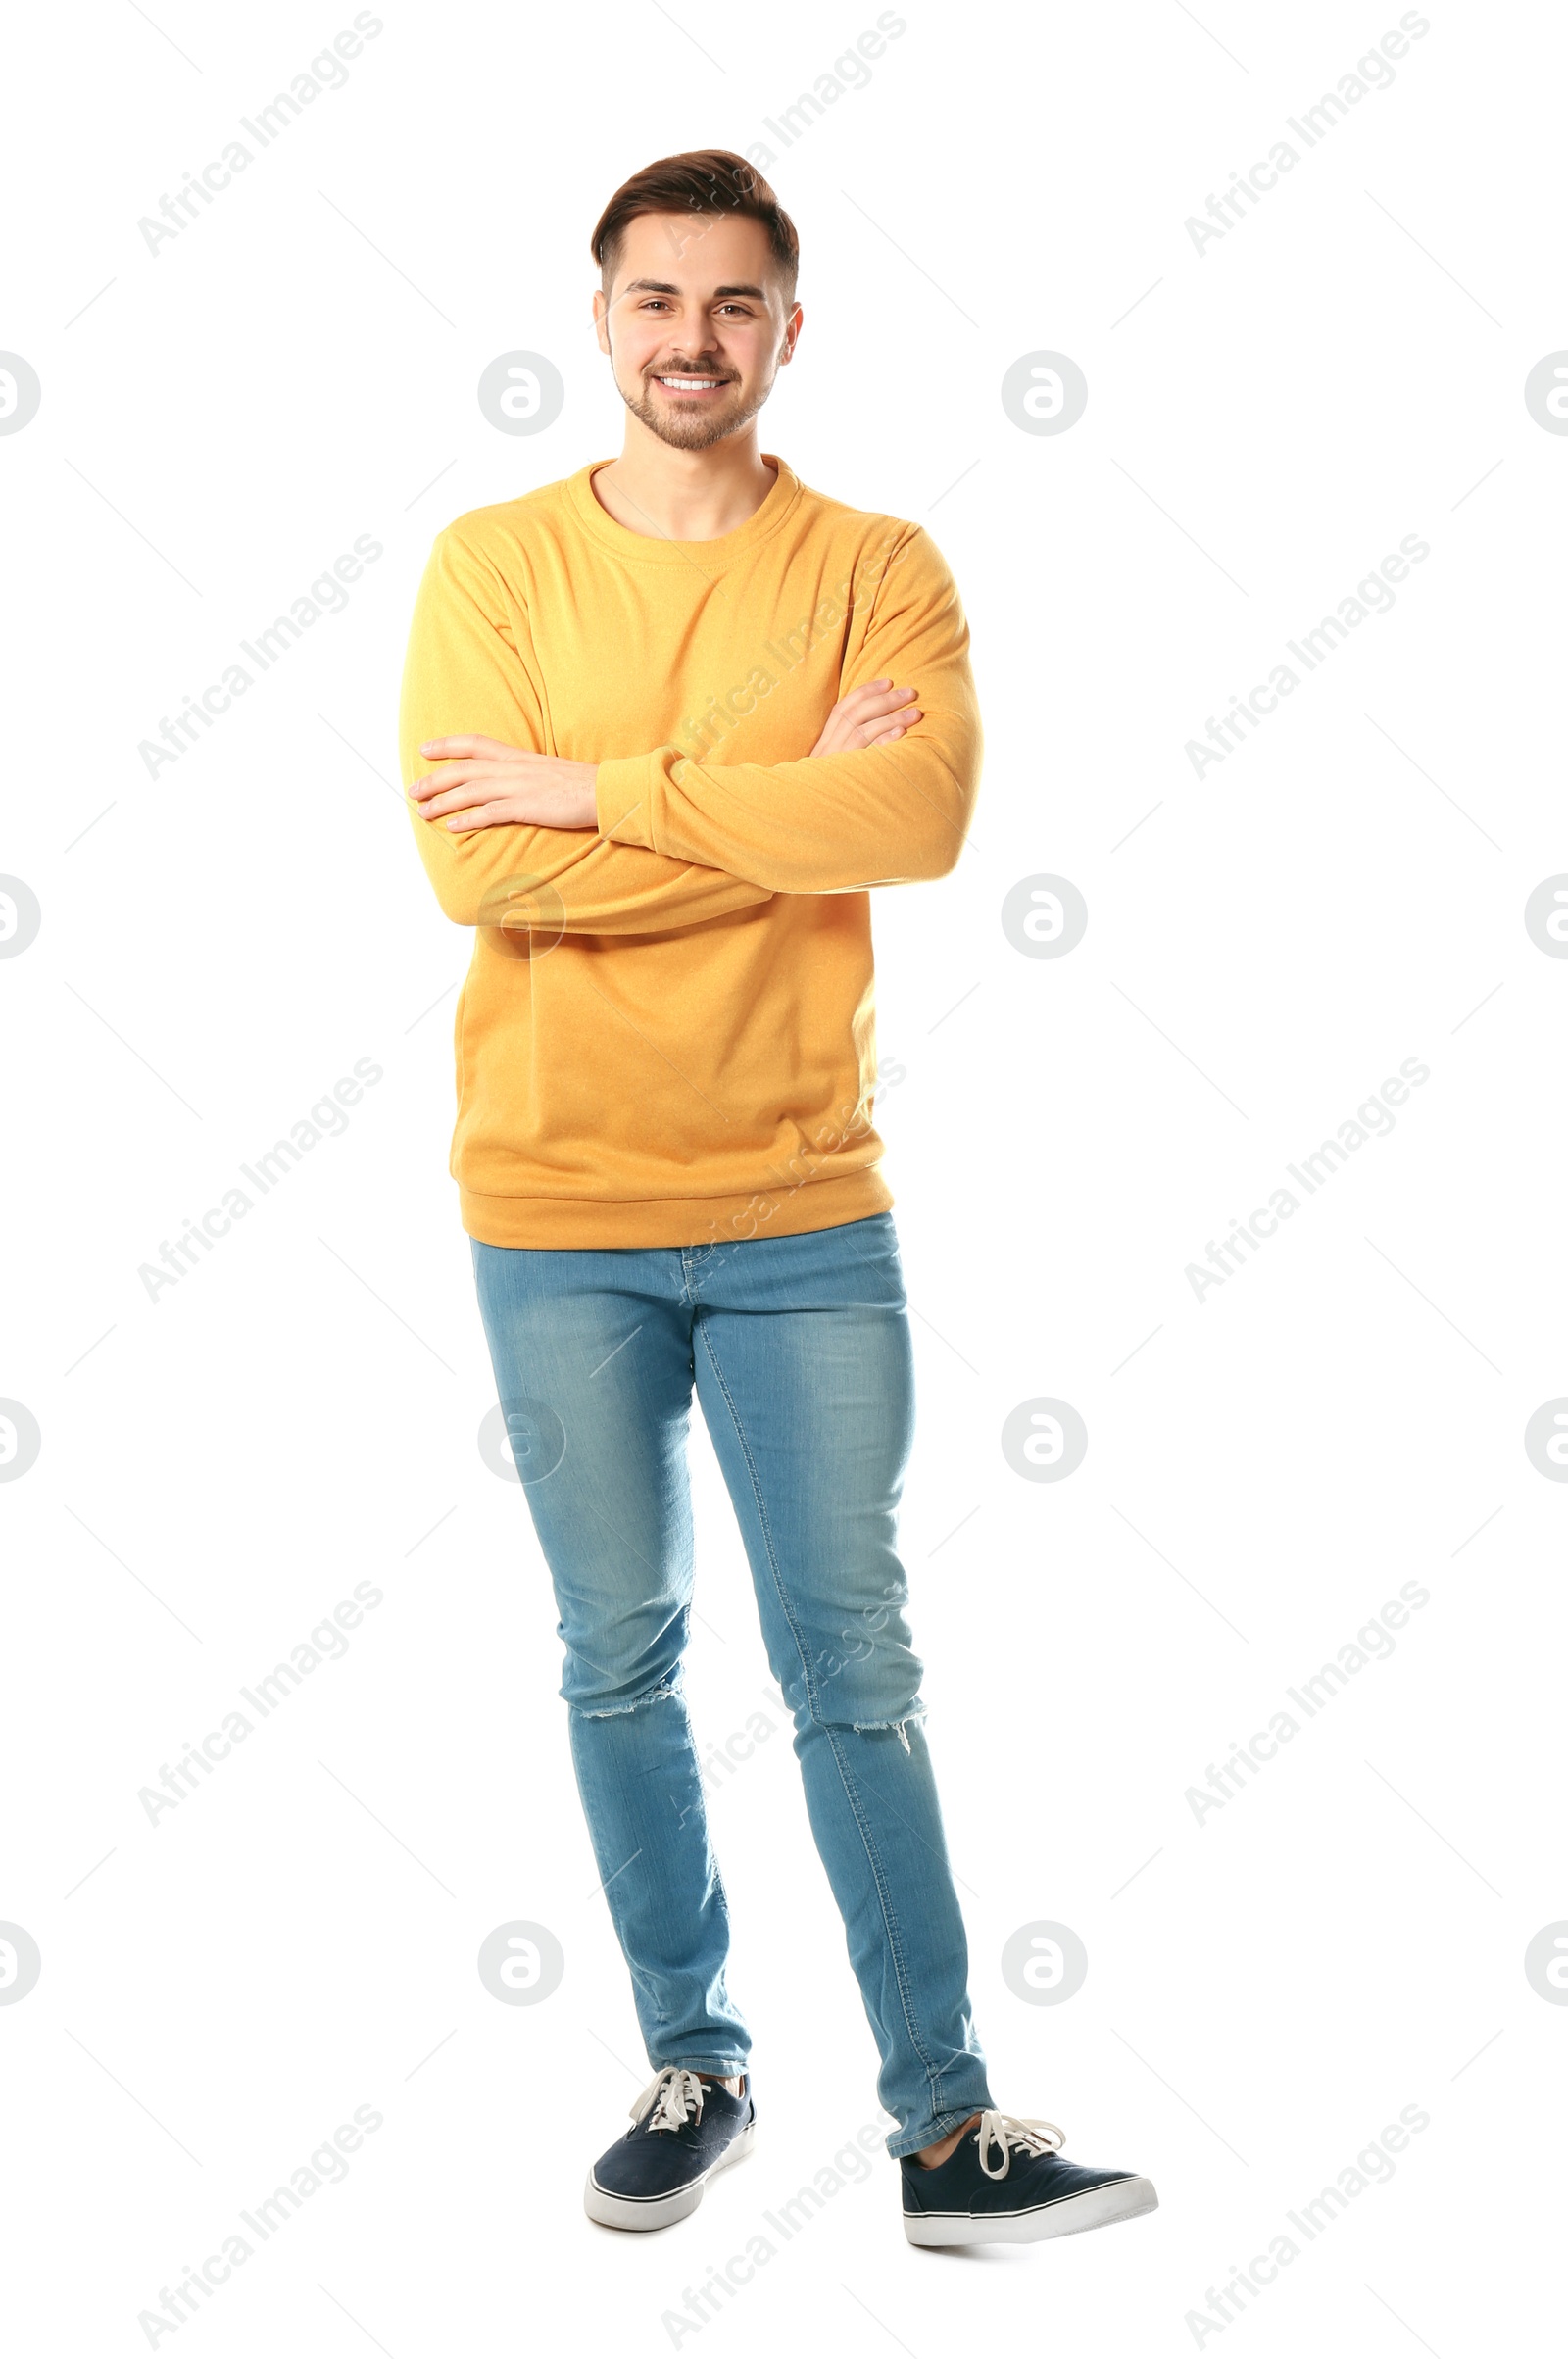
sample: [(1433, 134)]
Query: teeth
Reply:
[(691, 384)]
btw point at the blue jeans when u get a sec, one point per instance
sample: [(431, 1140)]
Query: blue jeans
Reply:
[(799, 1351)]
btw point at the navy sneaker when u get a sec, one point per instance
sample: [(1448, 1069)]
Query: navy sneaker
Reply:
[(683, 2130), (1006, 2183)]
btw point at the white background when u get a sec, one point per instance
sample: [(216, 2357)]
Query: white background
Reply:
[(1267, 421)]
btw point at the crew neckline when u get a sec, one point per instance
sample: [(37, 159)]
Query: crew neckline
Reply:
[(649, 549)]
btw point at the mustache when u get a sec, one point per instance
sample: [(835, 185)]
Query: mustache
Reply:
[(691, 368)]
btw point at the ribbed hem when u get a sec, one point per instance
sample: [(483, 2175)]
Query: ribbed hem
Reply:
[(734, 2070), (572, 1222)]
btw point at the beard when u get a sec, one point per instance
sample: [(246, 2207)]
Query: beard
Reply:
[(691, 428)]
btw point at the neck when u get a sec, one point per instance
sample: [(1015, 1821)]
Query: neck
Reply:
[(684, 495)]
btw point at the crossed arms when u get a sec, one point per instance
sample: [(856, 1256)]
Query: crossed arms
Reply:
[(656, 841)]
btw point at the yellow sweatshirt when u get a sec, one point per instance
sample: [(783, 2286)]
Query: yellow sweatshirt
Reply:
[(666, 1034)]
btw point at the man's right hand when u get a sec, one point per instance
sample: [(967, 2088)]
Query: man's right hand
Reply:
[(872, 716)]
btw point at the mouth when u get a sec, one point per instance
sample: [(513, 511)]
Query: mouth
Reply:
[(693, 388)]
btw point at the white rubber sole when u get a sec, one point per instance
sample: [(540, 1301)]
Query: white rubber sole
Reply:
[(660, 2211), (1096, 2207)]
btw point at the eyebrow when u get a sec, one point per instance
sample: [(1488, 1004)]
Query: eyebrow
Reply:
[(659, 286)]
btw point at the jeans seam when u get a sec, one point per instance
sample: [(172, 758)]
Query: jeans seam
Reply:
[(785, 1607), (889, 1920)]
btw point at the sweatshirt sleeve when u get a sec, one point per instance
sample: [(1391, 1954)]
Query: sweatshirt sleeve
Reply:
[(833, 823), (463, 676)]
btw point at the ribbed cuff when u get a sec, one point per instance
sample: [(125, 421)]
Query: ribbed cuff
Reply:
[(623, 799)]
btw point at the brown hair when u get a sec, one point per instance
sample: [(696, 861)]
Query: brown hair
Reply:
[(707, 180)]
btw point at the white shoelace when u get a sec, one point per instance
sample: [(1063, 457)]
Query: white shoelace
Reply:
[(669, 2098), (1006, 2130)]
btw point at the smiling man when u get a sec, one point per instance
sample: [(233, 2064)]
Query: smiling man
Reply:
[(666, 725)]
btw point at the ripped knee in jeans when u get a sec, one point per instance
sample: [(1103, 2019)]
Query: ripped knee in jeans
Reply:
[(900, 1728), (668, 1688)]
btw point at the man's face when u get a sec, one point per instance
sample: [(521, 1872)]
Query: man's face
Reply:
[(697, 326)]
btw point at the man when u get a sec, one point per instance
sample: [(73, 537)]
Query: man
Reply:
[(664, 723)]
